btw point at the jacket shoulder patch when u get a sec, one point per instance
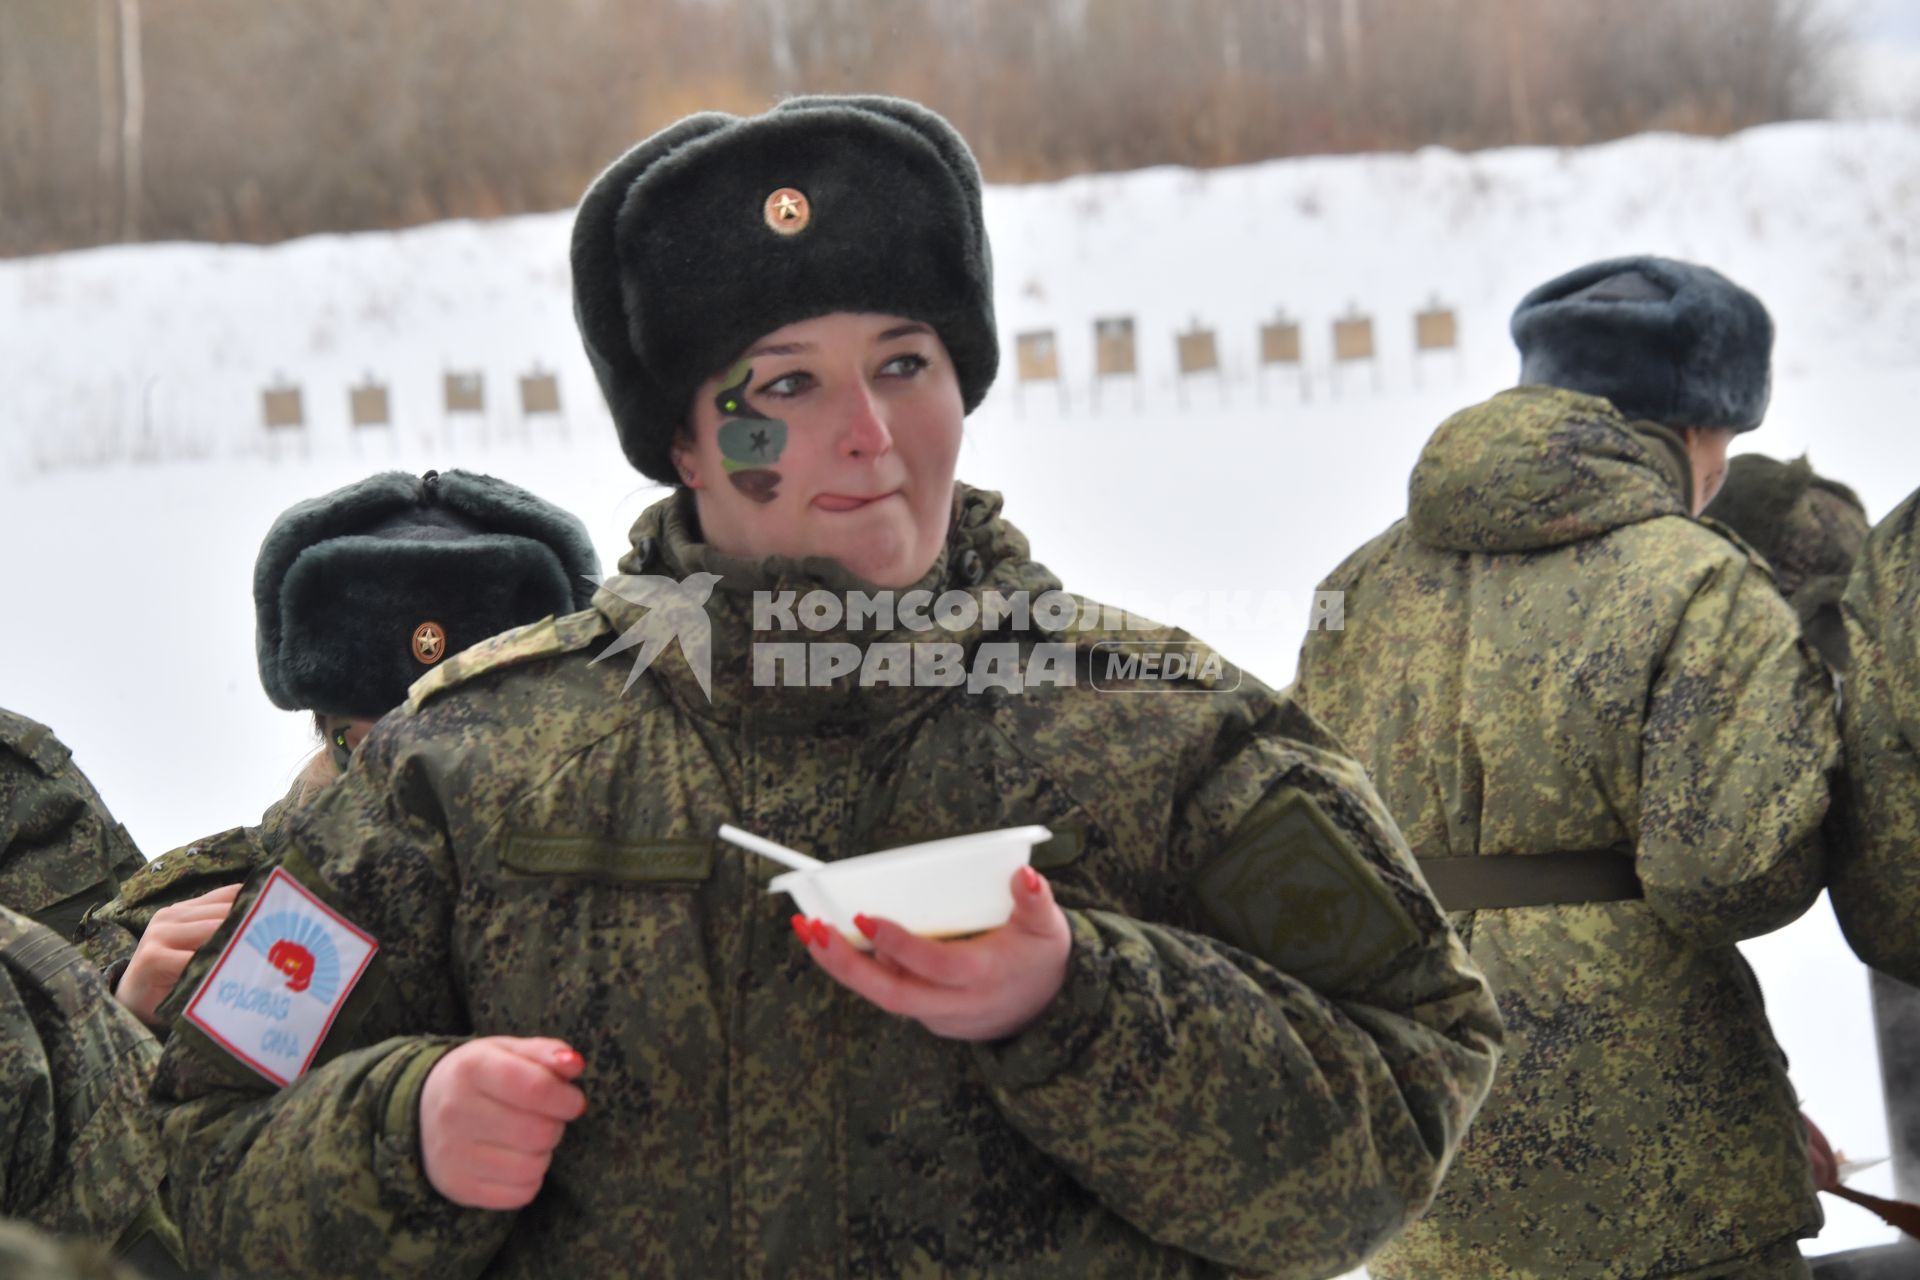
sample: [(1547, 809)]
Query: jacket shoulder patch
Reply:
[(285, 973), (543, 639), (1291, 889)]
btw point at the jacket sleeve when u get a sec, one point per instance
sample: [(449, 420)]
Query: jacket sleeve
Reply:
[(1283, 1102), (82, 1157), (1739, 743), (324, 1177), (1876, 870)]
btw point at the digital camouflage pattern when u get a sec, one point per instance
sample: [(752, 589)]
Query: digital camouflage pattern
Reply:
[(1876, 878), (84, 1155), (110, 932), (1549, 655), (1809, 528), (61, 852), (536, 854)]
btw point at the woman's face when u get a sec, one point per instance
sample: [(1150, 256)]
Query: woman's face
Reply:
[(834, 436)]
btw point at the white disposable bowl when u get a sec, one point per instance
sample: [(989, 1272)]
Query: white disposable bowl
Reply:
[(942, 888)]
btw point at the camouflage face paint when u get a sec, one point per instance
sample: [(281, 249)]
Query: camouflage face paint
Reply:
[(750, 442)]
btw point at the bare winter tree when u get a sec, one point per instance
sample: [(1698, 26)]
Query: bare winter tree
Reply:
[(229, 119)]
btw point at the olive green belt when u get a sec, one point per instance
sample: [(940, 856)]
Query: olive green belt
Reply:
[(1531, 879)]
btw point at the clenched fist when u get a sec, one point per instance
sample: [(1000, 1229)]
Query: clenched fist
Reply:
[(491, 1113)]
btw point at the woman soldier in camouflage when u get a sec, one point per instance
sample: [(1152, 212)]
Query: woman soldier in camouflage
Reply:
[(1228, 1032), (357, 593)]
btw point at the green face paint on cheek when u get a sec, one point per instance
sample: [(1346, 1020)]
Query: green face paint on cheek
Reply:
[(750, 442), (753, 442)]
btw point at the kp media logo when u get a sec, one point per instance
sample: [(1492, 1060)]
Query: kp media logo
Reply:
[(1160, 666), (980, 640), (675, 611)]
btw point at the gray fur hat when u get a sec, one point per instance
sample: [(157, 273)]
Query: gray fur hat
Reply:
[(360, 592), (720, 229), (1665, 341)]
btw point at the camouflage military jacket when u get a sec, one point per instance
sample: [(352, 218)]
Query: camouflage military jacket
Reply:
[(1876, 878), (84, 1157), (534, 850), (1548, 655), (61, 852), (110, 932)]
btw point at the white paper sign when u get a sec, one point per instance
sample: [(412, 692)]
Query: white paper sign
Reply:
[(282, 980)]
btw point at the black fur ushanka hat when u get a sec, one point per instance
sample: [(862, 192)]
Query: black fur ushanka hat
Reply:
[(360, 592), (1665, 341), (721, 229)]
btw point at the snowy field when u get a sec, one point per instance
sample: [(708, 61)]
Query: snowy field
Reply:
[(136, 477)]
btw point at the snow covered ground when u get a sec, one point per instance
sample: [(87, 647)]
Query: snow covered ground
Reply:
[(136, 478)]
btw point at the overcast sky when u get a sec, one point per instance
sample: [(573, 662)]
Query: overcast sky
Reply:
[(1890, 20)]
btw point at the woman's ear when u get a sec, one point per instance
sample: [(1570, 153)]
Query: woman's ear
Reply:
[(682, 454)]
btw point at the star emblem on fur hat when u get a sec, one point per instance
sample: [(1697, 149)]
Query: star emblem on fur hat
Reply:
[(788, 212), (429, 642)]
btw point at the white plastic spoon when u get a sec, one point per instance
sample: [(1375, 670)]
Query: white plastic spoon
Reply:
[(768, 849)]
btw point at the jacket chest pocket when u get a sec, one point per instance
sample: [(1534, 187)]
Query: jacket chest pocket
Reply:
[(592, 936), (630, 904)]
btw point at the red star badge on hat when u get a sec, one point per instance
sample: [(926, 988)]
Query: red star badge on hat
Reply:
[(787, 211), (429, 643)]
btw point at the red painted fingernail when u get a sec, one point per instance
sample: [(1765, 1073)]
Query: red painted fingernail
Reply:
[(1030, 879), (568, 1060), (821, 933), (800, 929), (866, 925)]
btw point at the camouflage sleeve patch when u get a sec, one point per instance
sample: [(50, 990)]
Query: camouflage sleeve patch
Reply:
[(542, 639), (341, 975), (1291, 889), (282, 979)]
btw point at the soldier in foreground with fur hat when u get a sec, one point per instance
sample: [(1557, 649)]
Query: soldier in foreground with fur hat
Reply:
[(1596, 724), (1227, 1031), (357, 594)]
